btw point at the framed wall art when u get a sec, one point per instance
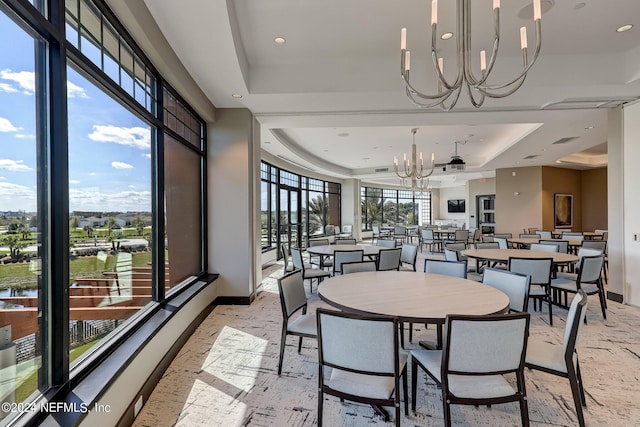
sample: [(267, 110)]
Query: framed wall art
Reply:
[(563, 210)]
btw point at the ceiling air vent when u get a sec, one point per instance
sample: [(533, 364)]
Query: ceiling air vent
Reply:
[(531, 156), (382, 170), (565, 140)]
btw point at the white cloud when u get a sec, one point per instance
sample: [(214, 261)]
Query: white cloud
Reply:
[(7, 126), (24, 79), (148, 155), (74, 181), (91, 199), (121, 165), (14, 165), (16, 191), (2, 177), (4, 87), (137, 137), (25, 136), (75, 91), (92, 174)]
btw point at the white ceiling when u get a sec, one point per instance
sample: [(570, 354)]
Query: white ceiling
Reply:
[(331, 98)]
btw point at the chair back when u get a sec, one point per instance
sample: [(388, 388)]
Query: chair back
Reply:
[(488, 239), (386, 243), (538, 269), (502, 242), (376, 230), (389, 259), (357, 343), (529, 236), (448, 268), (563, 245), (575, 318), (345, 256), (318, 242), (456, 246), (590, 269), (477, 235), (494, 344), (572, 236), (515, 285), (285, 255), (296, 257), (347, 229), (544, 234), (503, 235), (582, 252), (544, 248), (345, 241), (399, 230), (409, 255), (487, 245), (292, 295), (427, 234), (595, 244), (451, 255), (358, 267), (462, 235)]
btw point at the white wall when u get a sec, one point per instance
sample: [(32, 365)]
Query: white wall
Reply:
[(233, 202), (615, 203), (350, 205), (631, 202), (449, 193)]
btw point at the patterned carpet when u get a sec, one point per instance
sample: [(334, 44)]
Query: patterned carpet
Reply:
[(226, 375)]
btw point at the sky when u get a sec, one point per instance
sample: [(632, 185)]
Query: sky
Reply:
[(109, 147)]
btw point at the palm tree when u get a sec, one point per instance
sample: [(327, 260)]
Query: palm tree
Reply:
[(372, 208), (318, 209), (88, 229), (15, 245)]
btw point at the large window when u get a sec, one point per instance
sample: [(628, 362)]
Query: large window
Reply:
[(295, 208), (101, 191), (389, 206)]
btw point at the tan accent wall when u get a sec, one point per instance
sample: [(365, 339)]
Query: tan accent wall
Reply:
[(517, 211), (566, 181), (594, 199)]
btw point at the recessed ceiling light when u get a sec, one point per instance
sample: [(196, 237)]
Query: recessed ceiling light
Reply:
[(343, 134), (579, 5), (625, 28), (446, 36), (366, 158), (267, 142), (588, 128), (280, 40), (236, 95)]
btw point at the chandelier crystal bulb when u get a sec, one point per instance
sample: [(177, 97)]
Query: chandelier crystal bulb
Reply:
[(476, 87)]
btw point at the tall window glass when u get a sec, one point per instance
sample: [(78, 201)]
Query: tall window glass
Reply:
[(22, 135)]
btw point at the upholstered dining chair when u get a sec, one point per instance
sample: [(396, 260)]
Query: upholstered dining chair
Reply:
[(562, 359), (293, 300), (478, 352), (409, 255), (358, 267), (387, 243), (427, 239), (319, 260), (285, 256), (539, 270), (588, 279), (448, 268), (515, 285), (363, 356), (340, 256), (544, 248), (544, 234), (389, 259), (307, 273), (345, 241)]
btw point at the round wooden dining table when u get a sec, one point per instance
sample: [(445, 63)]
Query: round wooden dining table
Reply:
[(328, 250), (410, 296), (503, 255)]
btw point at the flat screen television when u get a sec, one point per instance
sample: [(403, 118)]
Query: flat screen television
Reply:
[(455, 205)]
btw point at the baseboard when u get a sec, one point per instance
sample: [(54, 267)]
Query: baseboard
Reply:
[(615, 297), (234, 300)]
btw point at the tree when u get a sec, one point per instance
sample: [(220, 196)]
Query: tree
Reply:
[(139, 224), (74, 222), (318, 209), (15, 245), (88, 229), (371, 207)]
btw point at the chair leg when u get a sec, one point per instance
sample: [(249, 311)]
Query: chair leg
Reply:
[(575, 391), (320, 405), (603, 303), (402, 334), (579, 376), (414, 383), (300, 345), (446, 409), (405, 390), (550, 309), (282, 343)]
